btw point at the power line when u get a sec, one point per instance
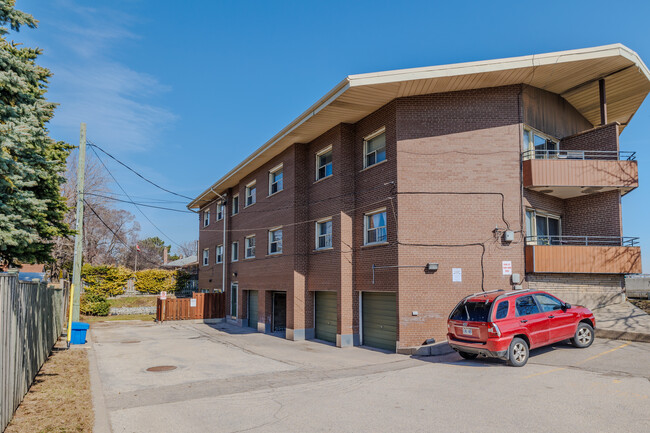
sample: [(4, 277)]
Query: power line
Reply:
[(127, 194), (139, 204), (90, 143), (116, 235)]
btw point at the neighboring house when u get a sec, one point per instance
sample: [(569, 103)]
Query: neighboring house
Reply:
[(501, 174), (190, 265)]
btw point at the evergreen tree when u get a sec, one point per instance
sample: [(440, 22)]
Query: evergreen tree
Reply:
[(31, 163)]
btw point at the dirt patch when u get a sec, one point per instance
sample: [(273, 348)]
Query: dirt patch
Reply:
[(643, 304), (133, 301), (95, 319), (60, 399)]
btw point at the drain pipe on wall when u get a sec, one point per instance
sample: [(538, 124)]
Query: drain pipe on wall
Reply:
[(223, 253)]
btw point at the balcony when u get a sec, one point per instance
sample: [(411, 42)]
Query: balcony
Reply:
[(572, 173), (583, 255)]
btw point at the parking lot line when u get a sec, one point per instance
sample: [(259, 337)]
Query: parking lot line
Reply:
[(604, 353), (578, 363)]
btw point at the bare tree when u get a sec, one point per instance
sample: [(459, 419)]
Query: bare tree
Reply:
[(186, 249), (102, 244)]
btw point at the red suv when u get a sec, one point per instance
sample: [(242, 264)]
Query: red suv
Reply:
[(507, 325)]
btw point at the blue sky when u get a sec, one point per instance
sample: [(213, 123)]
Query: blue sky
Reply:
[(182, 91)]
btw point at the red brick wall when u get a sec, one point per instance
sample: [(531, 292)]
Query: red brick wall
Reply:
[(593, 215), (599, 138), (462, 142)]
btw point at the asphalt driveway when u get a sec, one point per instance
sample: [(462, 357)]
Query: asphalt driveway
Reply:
[(227, 379)]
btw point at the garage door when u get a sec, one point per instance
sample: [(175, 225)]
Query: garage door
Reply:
[(379, 320), (326, 316), (252, 308)]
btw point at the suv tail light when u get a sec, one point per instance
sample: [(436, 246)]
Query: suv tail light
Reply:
[(494, 329)]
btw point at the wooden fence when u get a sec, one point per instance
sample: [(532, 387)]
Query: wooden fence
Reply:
[(31, 321), (200, 306)]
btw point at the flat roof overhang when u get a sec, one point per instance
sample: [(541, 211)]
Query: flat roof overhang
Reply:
[(573, 74)]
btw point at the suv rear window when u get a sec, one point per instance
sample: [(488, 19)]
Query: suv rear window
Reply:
[(526, 305), (472, 312)]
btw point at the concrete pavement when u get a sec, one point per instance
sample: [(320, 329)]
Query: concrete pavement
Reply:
[(623, 321), (230, 380)]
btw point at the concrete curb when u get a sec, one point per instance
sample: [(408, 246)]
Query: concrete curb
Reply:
[(613, 334), (102, 424), (436, 349), (206, 321)]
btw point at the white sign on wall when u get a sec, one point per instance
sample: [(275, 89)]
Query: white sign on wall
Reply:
[(507, 267), (457, 275), (193, 302)]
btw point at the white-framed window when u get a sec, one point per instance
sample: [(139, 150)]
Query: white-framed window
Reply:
[(206, 257), (220, 209), (324, 163), (538, 145), (234, 252), (206, 217), (275, 241), (275, 179), (235, 204), (374, 148), (250, 247), (324, 234), (219, 253), (375, 227), (543, 228), (251, 193)]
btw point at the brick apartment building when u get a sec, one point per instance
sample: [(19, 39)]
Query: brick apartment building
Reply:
[(366, 219)]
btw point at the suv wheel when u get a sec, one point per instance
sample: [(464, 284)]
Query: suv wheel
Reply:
[(518, 352), (468, 355), (584, 336)]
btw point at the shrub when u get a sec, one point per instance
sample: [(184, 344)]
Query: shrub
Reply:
[(93, 304), (155, 280), (105, 280), (182, 278)]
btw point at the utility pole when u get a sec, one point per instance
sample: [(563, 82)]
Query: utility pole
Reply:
[(78, 239)]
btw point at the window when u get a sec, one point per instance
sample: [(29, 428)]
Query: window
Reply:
[(206, 217), (206, 257), (235, 204), (234, 252), (543, 228), (251, 192), (538, 145), (374, 148), (472, 312), (324, 163), (324, 234), (375, 227), (275, 241), (525, 306), (233, 299), (275, 180), (250, 247), (502, 310), (220, 208), (219, 253), (548, 303)]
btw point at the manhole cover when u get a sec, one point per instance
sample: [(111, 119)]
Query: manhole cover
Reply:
[(162, 368), (130, 341)]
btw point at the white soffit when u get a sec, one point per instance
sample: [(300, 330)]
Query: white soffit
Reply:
[(572, 74)]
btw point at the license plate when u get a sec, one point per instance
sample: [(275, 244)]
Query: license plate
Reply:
[(467, 331)]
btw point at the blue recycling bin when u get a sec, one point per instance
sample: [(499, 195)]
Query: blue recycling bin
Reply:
[(78, 333)]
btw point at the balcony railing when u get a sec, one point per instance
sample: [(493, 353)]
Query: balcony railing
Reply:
[(607, 241), (606, 155)]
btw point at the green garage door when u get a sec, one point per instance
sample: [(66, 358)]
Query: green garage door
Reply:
[(379, 323), (326, 316), (252, 309)]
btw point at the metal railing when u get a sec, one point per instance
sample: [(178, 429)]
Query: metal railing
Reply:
[(609, 241), (608, 155)]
